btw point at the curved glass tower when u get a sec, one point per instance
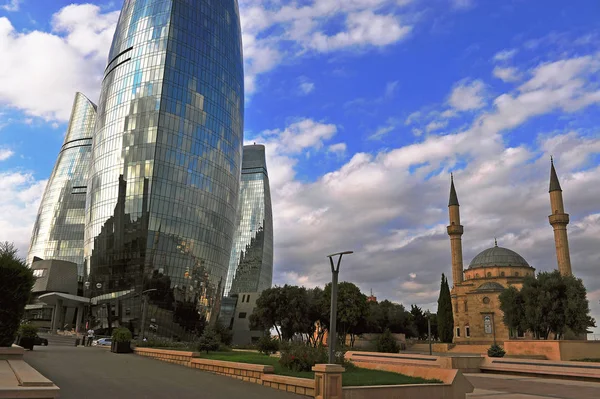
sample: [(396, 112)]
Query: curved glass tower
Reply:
[(58, 229), (251, 262), (165, 169)]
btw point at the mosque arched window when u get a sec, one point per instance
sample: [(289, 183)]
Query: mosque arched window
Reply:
[(489, 274), (516, 274), (502, 274)]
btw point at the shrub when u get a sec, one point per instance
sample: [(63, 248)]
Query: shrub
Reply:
[(386, 343), (163, 343), (27, 331), (209, 341), (224, 333), (121, 335), (496, 351), (300, 357), (16, 281), (268, 345)]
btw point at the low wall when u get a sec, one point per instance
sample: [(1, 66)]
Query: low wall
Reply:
[(172, 356), (300, 386), (19, 380), (419, 391), (369, 341), (465, 364), (546, 368), (553, 350), (435, 347)]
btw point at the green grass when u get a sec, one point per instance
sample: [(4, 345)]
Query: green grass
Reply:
[(354, 376)]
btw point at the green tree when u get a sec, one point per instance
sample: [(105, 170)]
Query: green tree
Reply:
[(16, 282), (419, 321), (553, 303), (512, 305), (445, 319), (386, 343), (285, 309), (352, 309), (209, 341)]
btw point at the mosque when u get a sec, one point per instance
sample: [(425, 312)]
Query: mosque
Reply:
[(476, 290)]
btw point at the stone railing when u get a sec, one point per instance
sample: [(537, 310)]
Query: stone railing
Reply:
[(19, 380)]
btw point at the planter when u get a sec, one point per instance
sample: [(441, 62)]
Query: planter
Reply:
[(26, 342), (120, 347)]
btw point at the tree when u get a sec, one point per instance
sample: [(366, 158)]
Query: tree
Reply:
[(386, 343), (445, 319), (16, 282), (209, 341), (283, 308), (548, 303), (511, 304), (352, 309), (419, 321)]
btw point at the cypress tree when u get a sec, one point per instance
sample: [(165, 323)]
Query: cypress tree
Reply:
[(445, 319)]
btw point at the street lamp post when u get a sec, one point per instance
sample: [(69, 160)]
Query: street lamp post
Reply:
[(143, 327), (429, 331), (333, 316)]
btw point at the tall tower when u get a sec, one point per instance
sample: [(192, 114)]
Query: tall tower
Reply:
[(166, 158), (559, 220), (455, 231)]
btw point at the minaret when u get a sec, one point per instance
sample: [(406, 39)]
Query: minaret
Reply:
[(559, 220), (455, 231)]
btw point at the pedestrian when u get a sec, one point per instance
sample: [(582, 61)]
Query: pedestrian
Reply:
[(90, 337)]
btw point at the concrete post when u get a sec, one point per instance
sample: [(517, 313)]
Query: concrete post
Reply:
[(328, 381), (79, 318), (54, 317)]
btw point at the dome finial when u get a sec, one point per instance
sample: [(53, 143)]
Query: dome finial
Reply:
[(495, 242)]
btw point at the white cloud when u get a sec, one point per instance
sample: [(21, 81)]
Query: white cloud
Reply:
[(5, 153), (338, 148), (507, 74), (41, 71), (505, 55), (381, 131), (306, 87), (436, 125), (412, 118), (467, 95), (19, 202), (363, 28), (390, 89), (12, 5)]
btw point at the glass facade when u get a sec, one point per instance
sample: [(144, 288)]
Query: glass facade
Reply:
[(59, 227), (251, 262), (165, 168)]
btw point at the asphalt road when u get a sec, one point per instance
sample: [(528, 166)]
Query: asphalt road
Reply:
[(96, 373), (500, 386)]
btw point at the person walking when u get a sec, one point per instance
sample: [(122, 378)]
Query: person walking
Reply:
[(90, 337)]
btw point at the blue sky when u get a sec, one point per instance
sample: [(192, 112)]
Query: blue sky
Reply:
[(365, 106)]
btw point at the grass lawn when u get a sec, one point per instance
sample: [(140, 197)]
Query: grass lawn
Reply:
[(354, 376)]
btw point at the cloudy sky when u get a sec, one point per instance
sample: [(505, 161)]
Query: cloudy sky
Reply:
[(365, 106)]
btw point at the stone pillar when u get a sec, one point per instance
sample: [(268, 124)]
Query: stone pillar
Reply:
[(328, 381), (54, 317), (79, 318)]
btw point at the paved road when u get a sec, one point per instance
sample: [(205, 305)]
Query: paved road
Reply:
[(95, 373), (491, 386)]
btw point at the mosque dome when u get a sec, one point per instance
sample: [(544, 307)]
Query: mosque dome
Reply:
[(498, 256)]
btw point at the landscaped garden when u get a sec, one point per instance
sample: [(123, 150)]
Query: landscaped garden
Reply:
[(354, 376)]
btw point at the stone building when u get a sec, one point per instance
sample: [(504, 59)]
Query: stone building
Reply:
[(476, 290)]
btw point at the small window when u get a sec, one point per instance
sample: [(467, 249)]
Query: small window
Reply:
[(243, 298), (456, 307), (476, 274), (502, 274), (516, 274), (489, 274), (467, 331), (242, 315), (486, 300), (466, 307), (247, 298), (458, 332), (39, 273)]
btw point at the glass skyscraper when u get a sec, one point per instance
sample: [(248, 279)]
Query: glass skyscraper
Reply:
[(165, 166), (59, 226), (251, 262)]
